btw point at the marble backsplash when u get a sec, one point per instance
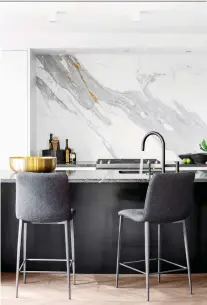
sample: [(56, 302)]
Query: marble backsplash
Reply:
[(105, 103)]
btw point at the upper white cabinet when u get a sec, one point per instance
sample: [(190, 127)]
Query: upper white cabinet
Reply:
[(14, 105)]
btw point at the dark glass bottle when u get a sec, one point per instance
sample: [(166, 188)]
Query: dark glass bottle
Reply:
[(50, 141), (67, 152), (58, 145)]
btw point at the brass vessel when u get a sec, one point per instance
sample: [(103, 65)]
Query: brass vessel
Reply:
[(33, 164)]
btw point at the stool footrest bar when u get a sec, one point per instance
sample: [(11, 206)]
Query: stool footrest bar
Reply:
[(126, 264), (134, 269), (161, 272), (175, 264), (142, 260), (41, 260), (45, 260), (168, 271), (47, 223), (61, 272), (156, 259)]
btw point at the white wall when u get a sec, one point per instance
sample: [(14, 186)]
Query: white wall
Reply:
[(32, 102), (27, 32), (27, 25), (62, 40), (13, 105)]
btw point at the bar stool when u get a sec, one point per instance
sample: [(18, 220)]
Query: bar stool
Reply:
[(169, 200), (44, 198)]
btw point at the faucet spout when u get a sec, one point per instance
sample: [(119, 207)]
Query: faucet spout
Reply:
[(155, 133)]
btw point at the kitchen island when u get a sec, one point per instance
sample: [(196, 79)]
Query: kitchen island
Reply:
[(98, 195)]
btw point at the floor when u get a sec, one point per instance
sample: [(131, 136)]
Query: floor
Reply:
[(42, 289)]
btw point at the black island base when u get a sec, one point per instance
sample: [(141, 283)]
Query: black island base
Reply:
[(96, 230)]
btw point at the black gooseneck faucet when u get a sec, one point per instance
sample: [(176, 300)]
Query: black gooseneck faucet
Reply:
[(155, 133)]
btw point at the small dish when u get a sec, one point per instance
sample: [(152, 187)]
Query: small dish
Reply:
[(187, 156)]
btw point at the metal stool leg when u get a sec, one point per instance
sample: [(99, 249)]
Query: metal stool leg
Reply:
[(18, 255), (24, 251), (147, 255), (159, 251), (67, 250), (73, 248), (118, 251), (187, 255)]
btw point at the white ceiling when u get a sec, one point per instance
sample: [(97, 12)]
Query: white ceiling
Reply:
[(104, 17)]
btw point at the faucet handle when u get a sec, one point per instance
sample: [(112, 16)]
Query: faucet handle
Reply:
[(177, 166)]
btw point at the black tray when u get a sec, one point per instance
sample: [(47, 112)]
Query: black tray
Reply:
[(200, 158), (60, 154)]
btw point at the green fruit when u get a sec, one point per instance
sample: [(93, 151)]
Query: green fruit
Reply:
[(186, 161)]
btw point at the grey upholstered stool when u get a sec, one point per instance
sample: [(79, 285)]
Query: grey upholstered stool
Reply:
[(44, 198), (169, 199)]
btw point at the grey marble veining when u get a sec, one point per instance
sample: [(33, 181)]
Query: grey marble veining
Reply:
[(65, 81)]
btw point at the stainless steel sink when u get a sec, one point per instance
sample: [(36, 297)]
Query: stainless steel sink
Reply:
[(132, 164)]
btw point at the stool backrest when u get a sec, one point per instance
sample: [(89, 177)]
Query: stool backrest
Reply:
[(42, 197), (169, 197)]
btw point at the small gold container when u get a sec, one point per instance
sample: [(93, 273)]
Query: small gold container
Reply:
[(33, 164)]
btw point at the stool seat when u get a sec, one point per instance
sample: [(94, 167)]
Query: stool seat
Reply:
[(133, 214), (137, 215)]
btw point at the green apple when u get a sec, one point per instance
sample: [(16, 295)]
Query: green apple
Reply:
[(186, 161)]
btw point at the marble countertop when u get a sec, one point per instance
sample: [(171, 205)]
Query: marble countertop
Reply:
[(91, 165), (101, 176), (79, 164)]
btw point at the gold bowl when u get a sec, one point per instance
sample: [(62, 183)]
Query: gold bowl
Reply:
[(33, 164)]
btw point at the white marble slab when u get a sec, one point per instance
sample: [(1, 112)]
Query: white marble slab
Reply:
[(105, 103)]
